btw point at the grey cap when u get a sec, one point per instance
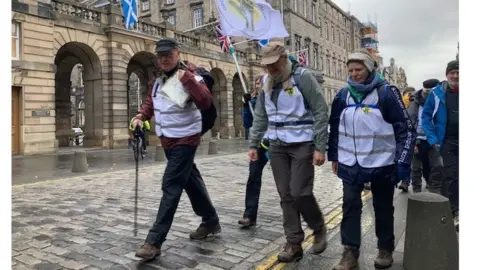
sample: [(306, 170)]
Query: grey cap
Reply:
[(165, 45)]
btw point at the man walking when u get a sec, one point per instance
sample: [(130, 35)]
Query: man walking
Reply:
[(420, 163), (179, 128), (291, 105), (440, 121)]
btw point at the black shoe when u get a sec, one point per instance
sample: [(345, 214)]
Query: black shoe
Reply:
[(246, 223), (203, 232), (403, 186)]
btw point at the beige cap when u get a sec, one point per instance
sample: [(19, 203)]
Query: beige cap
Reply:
[(272, 52)]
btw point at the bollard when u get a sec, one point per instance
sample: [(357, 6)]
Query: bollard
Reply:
[(431, 241), (160, 153), (80, 162), (212, 147)]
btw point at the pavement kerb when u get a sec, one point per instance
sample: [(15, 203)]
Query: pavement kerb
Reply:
[(122, 170), (332, 219)]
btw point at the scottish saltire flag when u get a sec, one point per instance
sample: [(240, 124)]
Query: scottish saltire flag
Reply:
[(129, 9), (263, 42), (254, 19), (222, 38)]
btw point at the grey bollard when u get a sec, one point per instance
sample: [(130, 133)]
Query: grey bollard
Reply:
[(212, 147), (431, 241), (159, 153), (80, 162)]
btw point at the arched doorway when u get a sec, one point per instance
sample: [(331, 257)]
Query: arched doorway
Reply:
[(238, 104), (81, 61), (140, 71), (220, 100)]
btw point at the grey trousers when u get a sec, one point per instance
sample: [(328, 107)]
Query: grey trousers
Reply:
[(294, 176)]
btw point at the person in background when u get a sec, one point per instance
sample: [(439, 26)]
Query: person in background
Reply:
[(255, 169), (371, 140), (420, 163), (250, 99), (407, 95), (440, 122)]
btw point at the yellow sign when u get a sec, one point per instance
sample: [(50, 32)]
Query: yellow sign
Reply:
[(366, 109), (290, 91), (246, 10)]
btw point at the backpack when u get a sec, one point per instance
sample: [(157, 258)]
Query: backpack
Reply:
[(208, 115)]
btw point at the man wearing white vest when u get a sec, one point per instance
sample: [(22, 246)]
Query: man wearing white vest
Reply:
[(371, 140), (292, 111), (175, 99)]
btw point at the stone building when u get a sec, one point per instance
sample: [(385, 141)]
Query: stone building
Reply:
[(51, 37), (327, 31), (395, 75)]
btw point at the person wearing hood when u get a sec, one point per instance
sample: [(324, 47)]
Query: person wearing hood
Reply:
[(420, 163), (440, 121), (371, 140)]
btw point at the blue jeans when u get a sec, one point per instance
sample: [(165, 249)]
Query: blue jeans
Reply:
[(181, 173), (254, 185)]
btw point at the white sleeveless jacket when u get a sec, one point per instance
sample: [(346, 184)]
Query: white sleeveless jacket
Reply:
[(364, 137), (289, 121), (171, 120)]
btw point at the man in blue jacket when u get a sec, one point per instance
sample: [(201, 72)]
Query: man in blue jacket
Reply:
[(440, 121), (371, 140)]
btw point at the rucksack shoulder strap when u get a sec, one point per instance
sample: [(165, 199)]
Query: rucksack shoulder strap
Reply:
[(297, 73)]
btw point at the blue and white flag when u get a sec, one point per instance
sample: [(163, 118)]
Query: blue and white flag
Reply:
[(254, 19), (263, 42), (129, 8)]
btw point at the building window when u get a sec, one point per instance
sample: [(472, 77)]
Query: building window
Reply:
[(321, 62), (327, 31), (305, 9), (197, 17), (170, 2), (295, 5), (333, 34), (334, 71), (298, 43), (15, 41), (314, 13), (145, 5), (328, 66), (315, 56), (338, 37), (171, 19)]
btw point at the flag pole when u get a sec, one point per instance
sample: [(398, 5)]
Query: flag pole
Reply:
[(239, 72)]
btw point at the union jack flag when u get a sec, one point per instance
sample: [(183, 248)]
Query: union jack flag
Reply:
[(222, 38), (302, 58)]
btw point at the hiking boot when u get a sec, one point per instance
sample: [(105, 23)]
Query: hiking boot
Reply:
[(291, 253), (320, 241), (203, 231), (384, 259), (349, 259), (148, 252), (246, 222), (367, 186), (403, 186)]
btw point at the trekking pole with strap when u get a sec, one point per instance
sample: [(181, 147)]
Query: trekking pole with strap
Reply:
[(137, 149)]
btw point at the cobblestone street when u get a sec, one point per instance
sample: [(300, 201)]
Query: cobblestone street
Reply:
[(86, 222)]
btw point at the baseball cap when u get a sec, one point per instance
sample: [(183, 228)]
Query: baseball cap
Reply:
[(165, 45), (272, 52)]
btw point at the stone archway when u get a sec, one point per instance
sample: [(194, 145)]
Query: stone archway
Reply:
[(141, 71), (238, 104), (66, 58), (220, 100)]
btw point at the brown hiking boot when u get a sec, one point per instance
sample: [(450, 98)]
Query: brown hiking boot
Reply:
[(203, 232), (291, 253), (246, 222), (148, 252), (384, 259), (320, 241), (349, 259)]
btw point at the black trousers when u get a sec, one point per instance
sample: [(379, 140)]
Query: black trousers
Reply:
[(254, 185), (382, 196), (181, 173), (420, 165), (444, 174)]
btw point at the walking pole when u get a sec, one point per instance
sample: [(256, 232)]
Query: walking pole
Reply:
[(135, 210)]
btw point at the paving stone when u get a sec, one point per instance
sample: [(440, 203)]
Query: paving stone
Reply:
[(47, 266), (89, 225)]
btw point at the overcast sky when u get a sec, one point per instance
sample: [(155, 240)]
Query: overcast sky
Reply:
[(421, 35)]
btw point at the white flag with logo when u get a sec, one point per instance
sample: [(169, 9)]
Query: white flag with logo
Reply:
[(254, 19)]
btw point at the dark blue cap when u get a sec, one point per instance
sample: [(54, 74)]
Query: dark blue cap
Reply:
[(166, 45)]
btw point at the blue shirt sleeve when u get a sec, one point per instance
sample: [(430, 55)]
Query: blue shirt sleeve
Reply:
[(427, 119), (338, 105), (395, 113)]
